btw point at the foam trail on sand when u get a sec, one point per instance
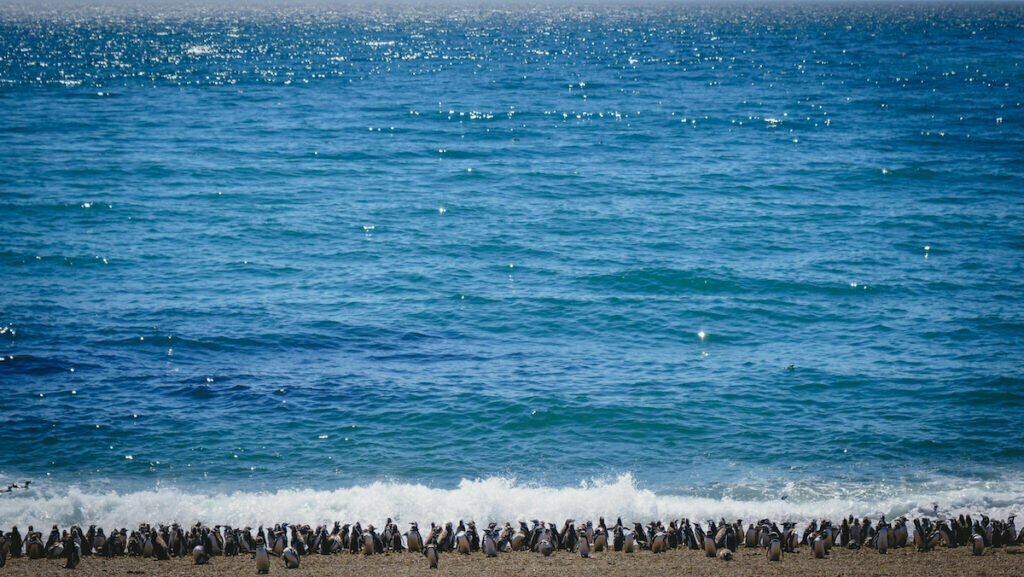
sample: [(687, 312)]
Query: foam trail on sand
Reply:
[(496, 499)]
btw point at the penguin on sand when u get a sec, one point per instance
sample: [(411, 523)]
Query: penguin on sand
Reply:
[(262, 556), (291, 558), (199, 555), (432, 554), (72, 552)]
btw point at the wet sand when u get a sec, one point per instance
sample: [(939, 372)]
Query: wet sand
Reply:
[(1008, 562)]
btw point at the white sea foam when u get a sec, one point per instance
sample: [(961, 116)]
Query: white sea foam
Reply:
[(495, 499)]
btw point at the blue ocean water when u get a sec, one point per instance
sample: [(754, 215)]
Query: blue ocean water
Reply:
[(651, 257)]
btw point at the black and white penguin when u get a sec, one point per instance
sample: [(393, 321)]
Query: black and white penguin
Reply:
[(291, 558), (34, 547), (583, 543), (489, 546), (432, 554), (199, 555), (545, 548), (72, 552), (55, 545), (413, 539), (978, 544), (774, 549), (15, 542), (710, 548), (819, 547), (366, 542), (750, 539), (659, 544), (262, 556), (882, 539)]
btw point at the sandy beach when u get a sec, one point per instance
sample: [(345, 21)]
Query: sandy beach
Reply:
[(1006, 562)]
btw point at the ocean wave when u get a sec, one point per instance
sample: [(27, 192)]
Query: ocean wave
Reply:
[(502, 499)]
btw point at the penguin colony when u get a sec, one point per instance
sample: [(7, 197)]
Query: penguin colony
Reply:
[(290, 543)]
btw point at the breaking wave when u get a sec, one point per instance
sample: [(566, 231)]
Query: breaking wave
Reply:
[(501, 499)]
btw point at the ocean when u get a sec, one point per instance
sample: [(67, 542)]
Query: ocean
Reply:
[(348, 262)]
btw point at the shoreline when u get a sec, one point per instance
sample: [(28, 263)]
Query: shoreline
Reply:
[(1006, 562)]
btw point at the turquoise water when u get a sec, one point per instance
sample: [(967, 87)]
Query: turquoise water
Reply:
[(688, 257)]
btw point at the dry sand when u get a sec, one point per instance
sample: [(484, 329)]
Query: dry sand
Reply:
[(748, 562)]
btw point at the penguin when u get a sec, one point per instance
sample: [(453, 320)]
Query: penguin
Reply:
[(16, 542), (584, 544), (413, 539), (710, 549), (147, 547), (725, 555), (568, 536), (545, 548), (462, 543), (520, 539), (72, 553), (731, 543), (882, 539), (34, 546), (291, 558), (262, 556), (629, 544), (919, 541), (432, 555), (368, 545), (55, 546), (447, 535), (901, 533), (54, 538), (819, 548), (750, 539), (199, 555), (279, 543), (158, 545), (978, 541), (659, 544), (489, 546), (774, 550), (99, 542), (231, 544), (600, 541)]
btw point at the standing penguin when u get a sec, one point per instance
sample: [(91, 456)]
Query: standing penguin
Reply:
[(882, 539), (774, 550), (462, 544), (430, 551), (545, 548), (15, 542), (661, 542), (978, 541), (72, 552), (489, 546), (291, 558), (710, 549), (819, 548), (629, 545), (262, 556), (600, 540), (750, 540), (584, 544), (34, 547), (413, 539)]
